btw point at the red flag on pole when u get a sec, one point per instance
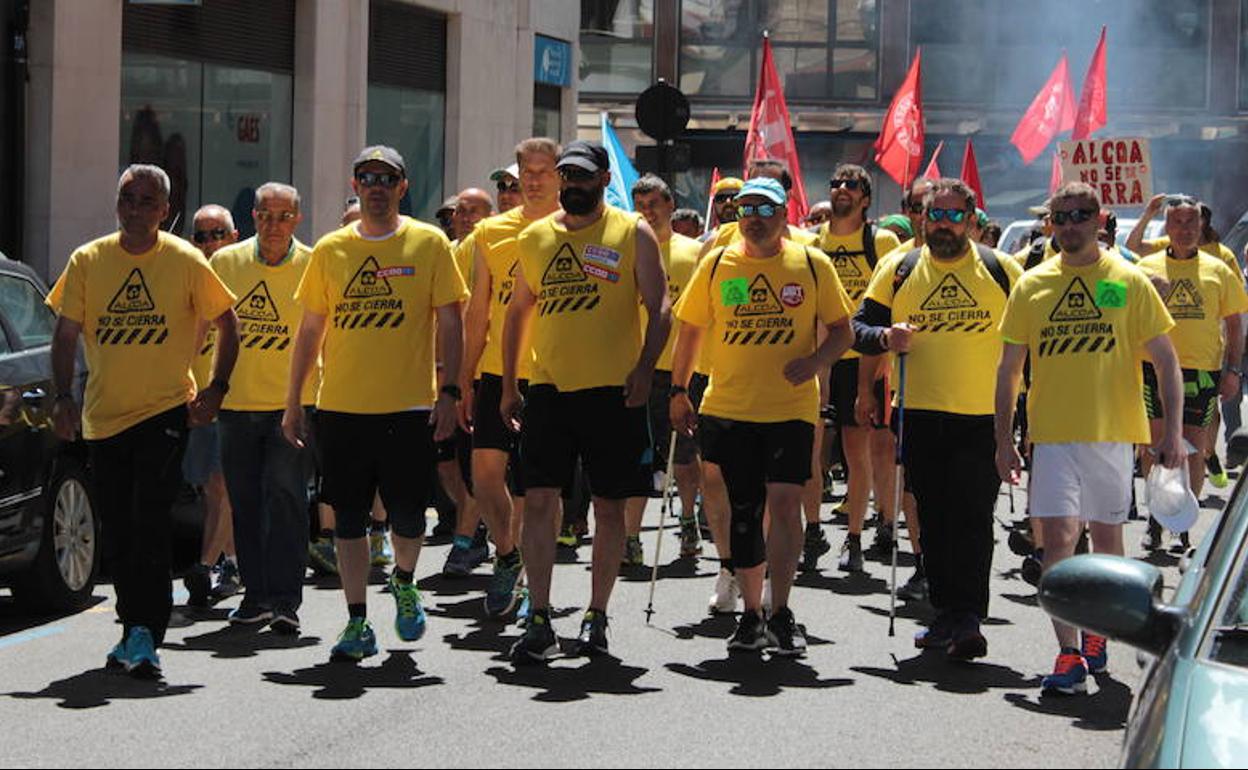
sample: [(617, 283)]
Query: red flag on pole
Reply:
[(1050, 113), (771, 132), (933, 170), (899, 148), (970, 174), (1093, 108), (1055, 176), (710, 201)]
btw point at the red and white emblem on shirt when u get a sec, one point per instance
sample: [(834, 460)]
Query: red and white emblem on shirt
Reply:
[(793, 295)]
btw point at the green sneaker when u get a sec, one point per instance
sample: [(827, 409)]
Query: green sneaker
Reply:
[(1217, 474), (502, 595), (379, 553), (633, 555), (568, 537), (356, 642), (409, 615), (538, 644)]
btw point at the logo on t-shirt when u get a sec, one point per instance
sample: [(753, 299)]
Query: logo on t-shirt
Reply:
[(949, 294), (843, 261), (257, 305), (1076, 304), (793, 295), (133, 296), (1184, 301), (564, 268), (367, 283), (762, 300)]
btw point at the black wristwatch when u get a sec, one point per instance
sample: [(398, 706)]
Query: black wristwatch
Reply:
[(453, 391), (676, 390), (221, 385)]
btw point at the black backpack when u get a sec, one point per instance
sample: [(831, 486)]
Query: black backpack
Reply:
[(986, 255)]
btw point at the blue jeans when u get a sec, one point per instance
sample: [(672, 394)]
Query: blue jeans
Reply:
[(268, 492)]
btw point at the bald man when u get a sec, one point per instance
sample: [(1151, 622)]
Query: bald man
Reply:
[(472, 205)]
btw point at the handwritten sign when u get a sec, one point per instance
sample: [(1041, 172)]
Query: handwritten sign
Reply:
[(1121, 170)]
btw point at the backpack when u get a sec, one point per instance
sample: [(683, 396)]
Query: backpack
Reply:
[(986, 255)]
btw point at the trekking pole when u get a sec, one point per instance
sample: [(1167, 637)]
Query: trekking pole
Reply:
[(668, 484), (897, 486)]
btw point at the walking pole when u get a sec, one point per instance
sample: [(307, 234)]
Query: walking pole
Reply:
[(668, 484), (897, 486)]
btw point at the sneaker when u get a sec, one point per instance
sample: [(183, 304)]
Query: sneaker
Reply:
[(409, 615), (690, 538), (356, 642), (592, 640), (882, 544), (727, 593), (460, 562), (937, 636), (814, 545), (285, 622), (379, 553), (538, 644), (784, 636), (142, 662), (229, 582), (968, 641), (1152, 536), (1070, 676), (568, 537), (1033, 568), (525, 610), (914, 589), (249, 615), (1020, 541), (1095, 652), (322, 557), (1217, 474), (851, 556), (116, 660), (751, 634), (444, 528), (198, 583), (633, 555), (502, 595)]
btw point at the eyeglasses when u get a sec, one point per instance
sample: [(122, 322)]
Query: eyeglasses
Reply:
[(376, 179), (725, 197), (848, 184), (273, 217), (764, 210), (575, 174), (955, 216), (1074, 216), (215, 234), (504, 187)]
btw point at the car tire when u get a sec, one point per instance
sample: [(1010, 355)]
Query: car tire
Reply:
[(62, 577)]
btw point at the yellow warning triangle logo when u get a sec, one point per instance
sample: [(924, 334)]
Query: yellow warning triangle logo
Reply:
[(564, 268), (763, 299), (1076, 304), (257, 305), (1185, 300), (365, 283), (950, 294), (844, 264), (133, 296)]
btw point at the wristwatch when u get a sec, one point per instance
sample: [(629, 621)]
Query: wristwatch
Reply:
[(676, 390), (453, 391)]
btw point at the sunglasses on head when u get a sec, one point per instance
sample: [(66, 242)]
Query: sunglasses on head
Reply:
[(1074, 216), (848, 184), (215, 234), (512, 186), (378, 179), (764, 210), (954, 216)]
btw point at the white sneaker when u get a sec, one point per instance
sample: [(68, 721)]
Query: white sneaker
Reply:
[(767, 597), (726, 595)]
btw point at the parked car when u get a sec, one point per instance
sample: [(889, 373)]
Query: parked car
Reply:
[(1015, 232), (1189, 709), (49, 531)]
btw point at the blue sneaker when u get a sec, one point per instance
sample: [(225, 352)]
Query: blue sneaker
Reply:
[(526, 609), (1069, 677), (409, 615), (143, 662), (356, 642), (116, 660), (501, 596), (1095, 652)]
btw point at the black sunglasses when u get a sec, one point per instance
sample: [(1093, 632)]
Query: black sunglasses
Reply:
[(724, 197), (215, 234), (1075, 216), (848, 184), (376, 179)]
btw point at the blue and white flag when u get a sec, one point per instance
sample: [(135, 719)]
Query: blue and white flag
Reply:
[(623, 175)]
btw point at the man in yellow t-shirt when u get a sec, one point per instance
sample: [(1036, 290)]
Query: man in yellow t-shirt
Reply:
[(758, 305), (940, 307), (136, 298), (1207, 239), (584, 275), (496, 471), (371, 294), (1085, 319), (730, 232), (265, 474)]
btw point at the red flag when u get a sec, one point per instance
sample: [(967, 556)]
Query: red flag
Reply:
[(771, 132), (1050, 113), (1055, 176), (899, 148), (711, 222), (933, 170), (1093, 108), (970, 174)]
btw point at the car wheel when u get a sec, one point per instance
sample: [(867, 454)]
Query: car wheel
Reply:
[(62, 578)]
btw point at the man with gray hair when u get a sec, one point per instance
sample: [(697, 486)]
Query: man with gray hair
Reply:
[(136, 298)]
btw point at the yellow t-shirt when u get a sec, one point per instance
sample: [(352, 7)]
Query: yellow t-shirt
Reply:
[(1203, 291), (380, 298), (680, 257), (955, 308), (586, 332), (465, 255), (849, 257), (497, 238), (730, 233), (1085, 328), (139, 316), (268, 320), (1219, 250), (201, 364), (760, 314)]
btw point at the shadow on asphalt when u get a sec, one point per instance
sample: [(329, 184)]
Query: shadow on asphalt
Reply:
[(14, 619), (680, 568), (447, 586), (184, 616), (719, 626), (756, 675), (1027, 600), (230, 642), (604, 675), (932, 667), (1105, 709), (100, 687), (845, 584), (487, 634), (346, 681)]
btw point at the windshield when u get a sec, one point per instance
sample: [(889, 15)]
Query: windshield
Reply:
[(1230, 632)]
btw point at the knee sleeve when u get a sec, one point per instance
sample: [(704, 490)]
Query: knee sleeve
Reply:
[(350, 525), (749, 548)]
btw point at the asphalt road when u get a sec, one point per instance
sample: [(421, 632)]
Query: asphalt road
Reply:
[(672, 698)]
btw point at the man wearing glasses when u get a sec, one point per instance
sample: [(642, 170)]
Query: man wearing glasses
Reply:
[(758, 304), (940, 305), (507, 182), (583, 277), (371, 294), (1084, 320), (729, 233)]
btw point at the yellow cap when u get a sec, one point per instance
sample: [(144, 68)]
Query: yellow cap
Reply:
[(727, 183)]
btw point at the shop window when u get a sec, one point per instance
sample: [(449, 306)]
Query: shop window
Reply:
[(617, 46), (547, 111)]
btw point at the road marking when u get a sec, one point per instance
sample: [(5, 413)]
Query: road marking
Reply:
[(30, 636)]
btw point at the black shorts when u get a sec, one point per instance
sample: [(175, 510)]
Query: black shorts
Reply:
[(781, 451), (457, 447), (661, 421), (845, 394), (363, 455), (1200, 396), (490, 432), (612, 441)]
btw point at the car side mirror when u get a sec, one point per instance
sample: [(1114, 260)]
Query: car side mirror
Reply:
[(1112, 596)]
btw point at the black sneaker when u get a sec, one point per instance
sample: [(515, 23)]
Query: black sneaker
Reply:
[(813, 546), (882, 546), (198, 584), (1152, 538), (285, 622), (851, 556), (937, 636), (1033, 568), (1020, 541), (250, 615), (914, 589), (593, 637), (784, 636), (751, 635), (968, 642), (538, 644)]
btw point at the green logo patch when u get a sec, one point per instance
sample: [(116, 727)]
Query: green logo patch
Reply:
[(1111, 294), (734, 291)]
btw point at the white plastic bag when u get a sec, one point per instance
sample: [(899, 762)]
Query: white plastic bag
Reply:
[(1170, 500)]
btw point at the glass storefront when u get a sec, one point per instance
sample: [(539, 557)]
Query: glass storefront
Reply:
[(617, 46), (413, 122), (548, 111)]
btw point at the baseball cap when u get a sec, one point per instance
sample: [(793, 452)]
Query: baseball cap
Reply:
[(383, 154), (766, 187), (512, 171), (900, 221), (727, 183), (447, 205), (589, 156)]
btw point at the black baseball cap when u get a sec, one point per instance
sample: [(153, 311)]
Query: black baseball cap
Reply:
[(590, 156), (379, 152)]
